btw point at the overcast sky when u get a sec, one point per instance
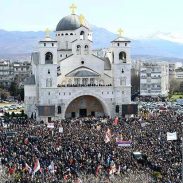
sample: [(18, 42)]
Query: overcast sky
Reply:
[(135, 17)]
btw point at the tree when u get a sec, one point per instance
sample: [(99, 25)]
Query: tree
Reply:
[(135, 81), (174, 86), (13, 89), (21, 94), (4, 94)]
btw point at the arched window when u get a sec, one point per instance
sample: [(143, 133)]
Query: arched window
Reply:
[(71, 34), (48, 58), (59, 110), (62, 34), (122, 56), (66, 34), (117, 108), (86, 49), (78, 49), (123, 81), (82, 35), (49, 82)]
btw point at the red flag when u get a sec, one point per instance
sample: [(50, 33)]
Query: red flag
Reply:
[(26, 141), (116, 120), (37, 167)]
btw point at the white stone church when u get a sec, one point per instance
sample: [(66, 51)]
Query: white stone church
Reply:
[(68, 80)]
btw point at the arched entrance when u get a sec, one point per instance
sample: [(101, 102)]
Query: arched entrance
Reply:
[(85, 105)]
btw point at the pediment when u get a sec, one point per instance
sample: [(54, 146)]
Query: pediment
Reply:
[(82, 72)]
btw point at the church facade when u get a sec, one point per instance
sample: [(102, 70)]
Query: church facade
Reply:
[(68, 80)]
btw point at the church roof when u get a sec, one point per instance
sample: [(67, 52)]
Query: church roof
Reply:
[(30, 80), (121, 39), (71, 22), (107, 63)]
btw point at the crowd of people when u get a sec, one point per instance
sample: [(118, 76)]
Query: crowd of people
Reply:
[(31, 151)]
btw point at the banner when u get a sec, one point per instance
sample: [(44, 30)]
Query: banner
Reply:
[(50, 125), (123, 143), (61, 130), (172, 136)]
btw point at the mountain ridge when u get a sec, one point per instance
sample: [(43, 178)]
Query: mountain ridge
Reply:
[(25, 42)]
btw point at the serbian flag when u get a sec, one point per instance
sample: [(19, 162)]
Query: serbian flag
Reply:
[(37, 167), (108, 136), (116, 120)]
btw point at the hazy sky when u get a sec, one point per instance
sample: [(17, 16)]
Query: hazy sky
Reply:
[(135, 17)]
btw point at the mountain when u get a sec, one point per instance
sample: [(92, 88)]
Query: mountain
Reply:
[(19, 44)]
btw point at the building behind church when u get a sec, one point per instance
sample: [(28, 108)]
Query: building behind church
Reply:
[(69, 80)]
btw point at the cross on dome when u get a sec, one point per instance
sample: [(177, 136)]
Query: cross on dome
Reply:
[(73, 7), (82, 19), (47, 32), (120, 32)]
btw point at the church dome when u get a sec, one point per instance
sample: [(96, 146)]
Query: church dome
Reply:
[(71, 22)]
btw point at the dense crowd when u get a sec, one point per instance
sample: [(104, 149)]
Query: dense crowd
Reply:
[(79, 149)]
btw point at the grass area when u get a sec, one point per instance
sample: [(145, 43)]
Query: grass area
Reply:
[(175, 97)]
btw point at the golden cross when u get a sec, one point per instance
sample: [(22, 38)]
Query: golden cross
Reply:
[(120, 31), (47, 32), (73, 7), (82, 19)]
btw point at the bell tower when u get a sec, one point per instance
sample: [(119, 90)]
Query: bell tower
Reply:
[(47, 69), (121, 68)]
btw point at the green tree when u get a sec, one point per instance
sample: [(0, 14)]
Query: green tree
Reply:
[(13, 89), (4, 94)]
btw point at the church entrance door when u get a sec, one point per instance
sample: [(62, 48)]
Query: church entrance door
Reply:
[(73, 114), (82, 113), (83, 106), (93, 113)]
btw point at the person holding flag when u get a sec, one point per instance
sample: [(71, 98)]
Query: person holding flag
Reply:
[(36, 168)]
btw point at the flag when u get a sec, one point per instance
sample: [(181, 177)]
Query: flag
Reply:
[(61, 130), (172, 136), (112, 169), (51, 167), (26, 141), (28, 168), (37, 167), (118, 170), (50, 125), (123, 143), (116, 120), (108, 135)]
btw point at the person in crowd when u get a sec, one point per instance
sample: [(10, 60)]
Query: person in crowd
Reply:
[(32, 152)]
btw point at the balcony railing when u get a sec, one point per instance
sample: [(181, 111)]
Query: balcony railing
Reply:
[(82, 85)]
